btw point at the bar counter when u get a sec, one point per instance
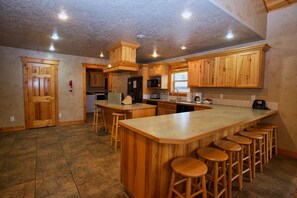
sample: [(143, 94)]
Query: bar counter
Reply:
[(148, 145)]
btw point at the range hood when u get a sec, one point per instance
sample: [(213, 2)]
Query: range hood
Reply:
[(122, 57)]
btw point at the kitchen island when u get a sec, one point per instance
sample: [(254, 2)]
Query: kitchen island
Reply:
[(137, 110), (148, 145)]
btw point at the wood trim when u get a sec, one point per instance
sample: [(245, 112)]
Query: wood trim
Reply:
[(158, 63), (177, 65), (26, 59), (265, 4), (85, 67), (263, 47), (287, 153), (72, 122), (12, 128)]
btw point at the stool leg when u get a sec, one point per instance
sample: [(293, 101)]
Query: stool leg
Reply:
[(254, 157), (275, 142), (103, 120), (216, 172), (249, 162), (267, 148), (188, 187), (97, 120), (171, 184), (261, 161), (224, 179), (238, 154), (203, 183), (94, 117), (116, 133), (112, 130), (230, 175)]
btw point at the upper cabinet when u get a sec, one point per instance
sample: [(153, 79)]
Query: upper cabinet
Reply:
[(241, 68), (159, 70), (96, 79), (226, 71)]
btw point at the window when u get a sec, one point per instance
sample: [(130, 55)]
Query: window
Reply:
[(180, 80)]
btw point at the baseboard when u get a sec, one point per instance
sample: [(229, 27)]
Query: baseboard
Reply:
[(12, 128), (287, 153), (72, 122)]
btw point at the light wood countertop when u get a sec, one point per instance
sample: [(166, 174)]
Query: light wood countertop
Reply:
[(183, 128), (104, 103)]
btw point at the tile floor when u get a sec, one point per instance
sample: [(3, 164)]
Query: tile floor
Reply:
[(72, 161)]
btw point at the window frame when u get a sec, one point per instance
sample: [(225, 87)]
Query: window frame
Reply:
[(177, 66)]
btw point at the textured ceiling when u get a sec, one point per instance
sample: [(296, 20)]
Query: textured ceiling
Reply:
[(94, 25)]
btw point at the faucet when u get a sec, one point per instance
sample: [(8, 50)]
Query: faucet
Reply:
[(176, 90)]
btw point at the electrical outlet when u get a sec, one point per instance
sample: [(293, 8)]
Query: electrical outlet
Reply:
[(11, 118), (60, 115), (221, 96), (253, 97)]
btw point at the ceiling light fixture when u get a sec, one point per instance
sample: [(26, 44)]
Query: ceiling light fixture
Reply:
[(101, 54), (155, 55), (63, 16), (109, 65), (229, 35), (186, 14), (52, 47), (183, 47), (55, 36), (140, 36)]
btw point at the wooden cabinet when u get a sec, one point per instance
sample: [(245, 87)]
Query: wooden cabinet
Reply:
[(165, 108), (108, 78), (226, 71), (193, 73), (241, 68), (207, 73), (249, 71), (155, 70), (96, 79), (159, 70), (200, 107)]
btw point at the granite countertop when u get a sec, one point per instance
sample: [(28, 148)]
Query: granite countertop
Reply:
[(104, 103), (186, 127)]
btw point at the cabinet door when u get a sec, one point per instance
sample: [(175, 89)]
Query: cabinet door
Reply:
[(249, 71), (193, 73), (161, 111), (226, 71), (208, 73), (96, 79), (155, 71)]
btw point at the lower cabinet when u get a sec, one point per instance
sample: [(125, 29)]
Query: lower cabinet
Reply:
[(165, 108)]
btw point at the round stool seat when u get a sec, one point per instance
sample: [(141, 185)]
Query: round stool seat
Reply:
[(239, 139), (212, 154), (227, 145), (118, 114), (258, 130), (263, 124), (250, 135), (189, 167)]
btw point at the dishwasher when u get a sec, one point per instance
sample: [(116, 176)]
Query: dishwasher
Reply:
[(184, 108)]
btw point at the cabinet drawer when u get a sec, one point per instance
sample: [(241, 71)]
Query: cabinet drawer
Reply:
[(167, 105)]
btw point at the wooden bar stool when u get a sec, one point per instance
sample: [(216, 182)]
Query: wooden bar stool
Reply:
[(245, 144), (98, 114), (188, 168), (216, 162), (265, 143), (234, 162), (273, 140), (115, 128), (256, 150)]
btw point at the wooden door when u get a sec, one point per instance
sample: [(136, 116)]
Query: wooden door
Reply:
[(248, 69), (226, 71), (96, 79), (40, 94), (208, 73), (193, 73)]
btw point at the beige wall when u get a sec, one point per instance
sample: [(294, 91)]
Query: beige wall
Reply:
[(11, 84), (280, 81), (251, 13)]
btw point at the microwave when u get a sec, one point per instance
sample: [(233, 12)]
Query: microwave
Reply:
[(154, 82)]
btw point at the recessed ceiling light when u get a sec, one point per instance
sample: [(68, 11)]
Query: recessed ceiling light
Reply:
[(229, 35), (140, 36), (101, 54), (52, 47), (109, 65), (186, 14), (63, 16), (155, 55), (183, 47), (55, 36)]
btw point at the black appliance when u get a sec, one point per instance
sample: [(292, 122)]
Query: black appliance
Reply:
[(184, 108), (259, 104), (100, 96), (135, 89), (154, 82)]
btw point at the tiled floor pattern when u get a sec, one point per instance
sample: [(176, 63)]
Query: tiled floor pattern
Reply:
[(72, 161)]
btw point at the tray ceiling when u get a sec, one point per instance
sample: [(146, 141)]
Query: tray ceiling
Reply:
[(95, 25)]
